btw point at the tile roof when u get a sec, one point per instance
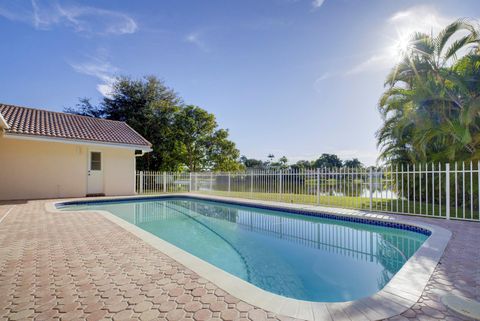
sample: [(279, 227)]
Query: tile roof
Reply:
[(37, 122)]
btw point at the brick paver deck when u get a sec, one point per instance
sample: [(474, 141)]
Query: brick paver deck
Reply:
[(77, 266)]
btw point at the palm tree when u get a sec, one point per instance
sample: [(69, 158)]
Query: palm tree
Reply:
[(431, 107)]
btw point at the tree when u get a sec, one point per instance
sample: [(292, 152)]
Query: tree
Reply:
[(431, 107), (283, 160), (352, 163), (223, 153), (202, 145), (194, 128), (251, 163), (328, 161), (271, 157), (281, 164), (149, 107), (158, 114), (302, 164), (85, 108)]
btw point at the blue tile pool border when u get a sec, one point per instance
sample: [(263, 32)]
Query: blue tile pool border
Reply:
[(247, 203)]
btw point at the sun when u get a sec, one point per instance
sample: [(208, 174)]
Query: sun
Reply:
[(403, 43), (399, 47)]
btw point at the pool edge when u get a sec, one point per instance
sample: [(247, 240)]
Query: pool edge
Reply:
[(400, 293)]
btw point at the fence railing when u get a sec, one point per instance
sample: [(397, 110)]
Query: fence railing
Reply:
[(162, 182), (437, 190)]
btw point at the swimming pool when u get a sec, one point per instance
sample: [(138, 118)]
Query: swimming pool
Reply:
[(304, 257)]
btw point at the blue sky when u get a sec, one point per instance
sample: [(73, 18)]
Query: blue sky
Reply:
[(289, 77)]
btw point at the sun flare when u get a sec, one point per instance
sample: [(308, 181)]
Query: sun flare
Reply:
[(402, 44), (399, 47)]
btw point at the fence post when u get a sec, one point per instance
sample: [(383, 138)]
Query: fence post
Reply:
[(371, 188), (164, 182), (318, 186), (190, 183), (141, 182), (228, 182), (447, 189), (251, 182), (280, 182), (195, 186)]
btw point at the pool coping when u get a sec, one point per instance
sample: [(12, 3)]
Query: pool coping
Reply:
[(400, 293)]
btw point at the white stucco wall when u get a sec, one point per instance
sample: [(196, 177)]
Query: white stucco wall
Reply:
[(36, 169)]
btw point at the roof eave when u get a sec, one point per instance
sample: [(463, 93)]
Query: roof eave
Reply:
[(146, 141), (3, 122), (74, 141)]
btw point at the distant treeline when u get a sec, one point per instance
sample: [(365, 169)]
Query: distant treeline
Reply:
[(324, 161)]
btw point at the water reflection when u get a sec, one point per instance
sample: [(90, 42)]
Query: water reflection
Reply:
[(365, 243)]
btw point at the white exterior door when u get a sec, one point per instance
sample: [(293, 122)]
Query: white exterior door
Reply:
[(95, 173)]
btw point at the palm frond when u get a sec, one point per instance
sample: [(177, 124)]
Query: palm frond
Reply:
[(445, 35), (456, 46)]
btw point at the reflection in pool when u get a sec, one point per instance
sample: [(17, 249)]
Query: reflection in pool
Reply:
[(302, 257)]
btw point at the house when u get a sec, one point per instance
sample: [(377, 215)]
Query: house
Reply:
[(46, 154)]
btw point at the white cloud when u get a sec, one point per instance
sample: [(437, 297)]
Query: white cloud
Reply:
[(419, 18), (376, 62), (105, 89), (314, 3), (15, 12), (100, 69), (195, 38), (319, 81), (94, 20), (323, 77), (317, 3), (399, 27), (82, 19)]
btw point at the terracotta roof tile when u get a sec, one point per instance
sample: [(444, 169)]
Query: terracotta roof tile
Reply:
[(37, 122)]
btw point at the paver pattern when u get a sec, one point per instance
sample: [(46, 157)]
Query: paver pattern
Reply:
[(81, 266)]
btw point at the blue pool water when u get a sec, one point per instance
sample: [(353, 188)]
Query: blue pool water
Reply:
[(297, 256)]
